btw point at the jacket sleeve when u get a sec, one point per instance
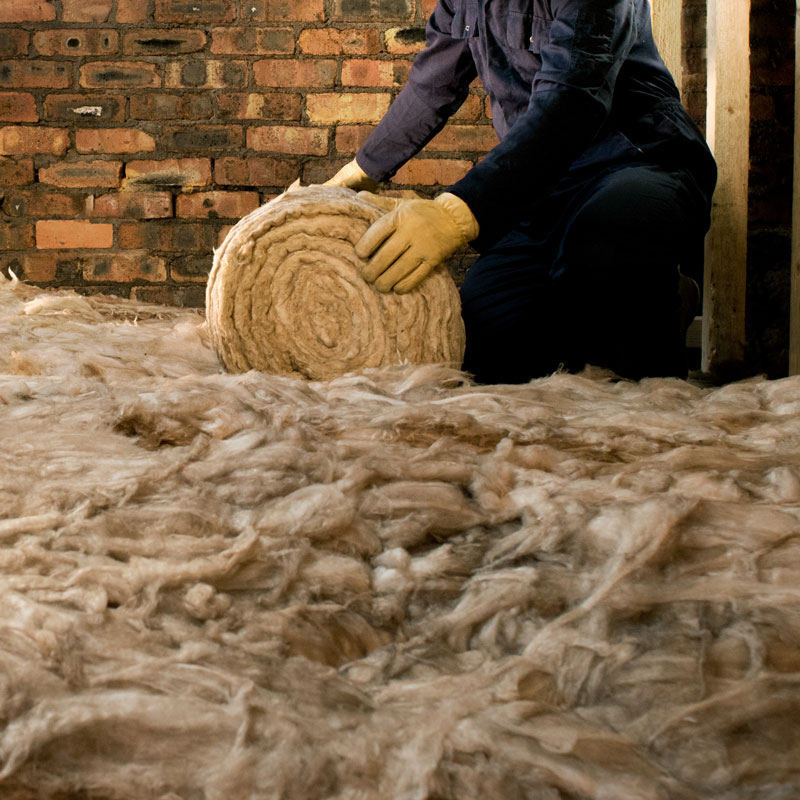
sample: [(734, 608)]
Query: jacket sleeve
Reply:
[(571, 97), (437, 86)]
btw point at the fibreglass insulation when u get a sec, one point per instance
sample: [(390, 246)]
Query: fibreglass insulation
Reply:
[(394, 584), (285, 295)]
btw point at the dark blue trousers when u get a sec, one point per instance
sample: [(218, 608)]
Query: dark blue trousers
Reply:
[(592, 278)]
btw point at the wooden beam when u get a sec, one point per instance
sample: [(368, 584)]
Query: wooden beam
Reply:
[(728, 134), (667, 18), (794, 308)]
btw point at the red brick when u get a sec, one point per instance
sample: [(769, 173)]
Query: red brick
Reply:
[(336, 41), (432, 172), (372, 72), (36, 203), (131, 11), (133, 205), (192, 11), (58, 234), (329, 109), (18, 107), (292, 72), (252, 40), (372, 10), (123, 268), (120, 75), (85, 10), (75, 42), (471, 110), (349, 138), (426, 7), (27, 11), (184, 172), (255, 171), (283, 10), (23, 140), (84, 109), (35, 74), (16, 171), (286, 139), (464, 138), (202, 138), (158, 42), (32, 267), (191, 268), (184, 106), (205, 74), (404, 41), (14, 42), (16, 235), (78, 174), (232, 205), (114, 140), (168, 236), (263, 105), (181, 296)]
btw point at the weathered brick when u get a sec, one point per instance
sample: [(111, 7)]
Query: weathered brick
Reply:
[(58, 234), (13, 42), (23, 140), (432, 171), (318, 170), (74, 42), (85, 10), (78, 174), (123, 268), (184, 106), (263, 105), (252, 40), (471, 110), (131, 11), (114, 140), (33, 74), (372, 72), (254, 171), (16, 235), (183, 172), (328, 109), (283, 10), (36, 203), (336, 41), (426, 7), (18, 107), (316, 73), (289, 139), (170, 237), (182, 296), (205, 74), (464, 138), (16, 171), (159, 42), (401, 41), (213, 205), (349, 138), (84, 109), (133, 205), (371, 10), (192, 11), (32, 267), (191, 268), (120, 75), (202, 138), (27, 11)]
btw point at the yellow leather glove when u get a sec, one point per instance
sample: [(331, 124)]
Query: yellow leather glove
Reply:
[(351, 176), (407, 244)]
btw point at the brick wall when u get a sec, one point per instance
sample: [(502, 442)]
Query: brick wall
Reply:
[(134, 133)]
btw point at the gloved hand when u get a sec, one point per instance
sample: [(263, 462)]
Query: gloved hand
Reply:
[(351, 176), (407, 244)]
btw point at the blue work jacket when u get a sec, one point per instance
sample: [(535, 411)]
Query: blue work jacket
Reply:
[(577, 87)]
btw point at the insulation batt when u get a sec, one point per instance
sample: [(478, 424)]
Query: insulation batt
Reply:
[(393, 584)]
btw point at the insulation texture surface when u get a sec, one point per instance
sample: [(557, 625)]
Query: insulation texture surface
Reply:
[(285, 295), (389, 585)]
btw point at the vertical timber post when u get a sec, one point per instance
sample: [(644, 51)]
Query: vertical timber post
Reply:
[(794, 307), (667, 18), (728, 133)]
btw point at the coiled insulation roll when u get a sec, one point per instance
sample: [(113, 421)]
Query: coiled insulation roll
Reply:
[(285, 295)]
